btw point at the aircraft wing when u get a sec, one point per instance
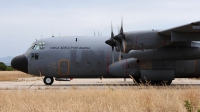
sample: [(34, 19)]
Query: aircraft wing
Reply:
[(188, 28)]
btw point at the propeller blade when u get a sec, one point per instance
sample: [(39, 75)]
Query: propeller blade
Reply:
[(112, 55), (112, 34), (121, 34), (124, 45), (120, 52), (120, 55), (121, 30), (113, 43)]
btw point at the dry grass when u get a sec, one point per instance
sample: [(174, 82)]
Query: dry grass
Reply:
[(12, 75), (133, 99), (95, 100)]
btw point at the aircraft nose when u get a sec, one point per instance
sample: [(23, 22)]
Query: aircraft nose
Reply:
[(20, 63)]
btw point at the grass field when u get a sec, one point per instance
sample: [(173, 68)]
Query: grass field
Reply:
[(12, 75), (95, 100)]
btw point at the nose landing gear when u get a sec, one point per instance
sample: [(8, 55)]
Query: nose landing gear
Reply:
[(48, 80)]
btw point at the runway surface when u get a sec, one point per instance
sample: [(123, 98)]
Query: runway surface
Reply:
[(37, 83)]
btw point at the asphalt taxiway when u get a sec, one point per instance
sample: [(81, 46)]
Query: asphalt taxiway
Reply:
[(37, 83)]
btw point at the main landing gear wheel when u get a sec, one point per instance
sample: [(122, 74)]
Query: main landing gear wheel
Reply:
[(48, 80)]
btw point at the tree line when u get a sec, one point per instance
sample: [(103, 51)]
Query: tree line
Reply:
[(4, 67)]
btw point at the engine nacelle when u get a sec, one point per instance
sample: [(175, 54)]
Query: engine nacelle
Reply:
[(124, 68), (143, 40)]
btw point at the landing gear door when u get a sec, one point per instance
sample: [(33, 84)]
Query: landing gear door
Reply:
[(63, 67)]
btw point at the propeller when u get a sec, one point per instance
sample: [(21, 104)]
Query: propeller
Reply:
[(120, 53), (121, 39), (112, 43), (120, 44)]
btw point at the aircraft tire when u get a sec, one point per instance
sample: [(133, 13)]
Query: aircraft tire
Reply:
[(48, 80)]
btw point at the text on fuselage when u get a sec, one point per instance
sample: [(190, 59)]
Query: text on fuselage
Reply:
[(66, 47)]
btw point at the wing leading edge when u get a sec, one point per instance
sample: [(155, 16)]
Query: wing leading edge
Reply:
[(188, 28)]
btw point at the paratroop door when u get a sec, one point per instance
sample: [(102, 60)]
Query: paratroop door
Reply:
[(63, 67)]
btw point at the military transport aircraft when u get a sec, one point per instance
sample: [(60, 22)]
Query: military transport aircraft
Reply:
[(153, 56)]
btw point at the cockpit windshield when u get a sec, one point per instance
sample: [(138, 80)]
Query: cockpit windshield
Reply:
[(38, 46)]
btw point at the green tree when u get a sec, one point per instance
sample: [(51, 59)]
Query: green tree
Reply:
[(3, 67), (9, 68)]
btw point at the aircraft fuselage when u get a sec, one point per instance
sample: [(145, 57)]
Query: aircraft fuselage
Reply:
[(91, 57), (87, 57)]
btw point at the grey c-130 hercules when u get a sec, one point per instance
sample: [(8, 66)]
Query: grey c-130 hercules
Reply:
[(154, 56)]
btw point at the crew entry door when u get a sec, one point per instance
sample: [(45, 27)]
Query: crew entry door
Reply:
[(63, 67)]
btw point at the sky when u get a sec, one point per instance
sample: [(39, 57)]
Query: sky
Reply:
[(23, 21)]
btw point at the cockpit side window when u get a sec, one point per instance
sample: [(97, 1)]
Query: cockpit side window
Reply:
[(33, 46), (38, 46)]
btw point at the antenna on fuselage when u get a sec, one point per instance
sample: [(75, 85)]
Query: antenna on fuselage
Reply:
[(52, 30)]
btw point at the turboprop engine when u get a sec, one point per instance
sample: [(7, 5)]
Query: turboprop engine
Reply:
[(124, 68), (140, 40), (167, 53)]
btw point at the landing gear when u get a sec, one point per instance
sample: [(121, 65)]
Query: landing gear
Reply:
[(48, 80), (138, 81), (160, 82)]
